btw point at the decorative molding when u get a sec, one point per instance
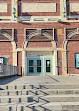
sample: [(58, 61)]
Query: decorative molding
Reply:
[(5, 17), (70, 35), (14, 46), (64, 53), (53, 44), (63, 10), (48, 49), (39, 32), (25, 44), (14, 10), (38, 7), (38, 19), (3, 7), (64, 62), (74, 7), (4, 33)]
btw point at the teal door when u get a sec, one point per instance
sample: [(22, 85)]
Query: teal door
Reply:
[(48, 65), (39, 66), (34, 66)]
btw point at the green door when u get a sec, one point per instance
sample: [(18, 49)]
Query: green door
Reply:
[(34, 66), (30, 66), (48, 65)]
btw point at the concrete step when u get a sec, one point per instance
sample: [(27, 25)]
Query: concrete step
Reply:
[(10, 92), (48, 86), (63, 106), (50, 91), (38, 92), (8, 107), (57, 106), (39, 98), (16, 99), (57, 98)]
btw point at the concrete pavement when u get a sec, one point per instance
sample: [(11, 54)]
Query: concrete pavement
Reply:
[(45, 79)]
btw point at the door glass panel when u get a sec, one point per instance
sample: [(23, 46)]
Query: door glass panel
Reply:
[(47, 69), (38, 62), (47, 65), (38, 65), (38, 69), (30, 62), (31, 69)]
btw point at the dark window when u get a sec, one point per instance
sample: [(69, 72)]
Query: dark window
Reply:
[(30, 62), (31, 69), (38, 69), (38, 62), (47, 69), (38, 65)]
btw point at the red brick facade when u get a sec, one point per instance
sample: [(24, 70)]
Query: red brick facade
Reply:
[(6, 51), (72, 48), (6, 48)]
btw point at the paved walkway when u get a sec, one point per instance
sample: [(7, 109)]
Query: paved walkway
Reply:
[(40, 80)]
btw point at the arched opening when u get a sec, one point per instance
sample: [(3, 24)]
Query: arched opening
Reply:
[(71, 46)]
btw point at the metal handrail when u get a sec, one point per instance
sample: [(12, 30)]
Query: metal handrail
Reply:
[(8, 70)]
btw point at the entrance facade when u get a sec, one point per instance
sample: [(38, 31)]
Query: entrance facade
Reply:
[(39, 65)]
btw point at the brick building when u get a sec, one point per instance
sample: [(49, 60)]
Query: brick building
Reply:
[(40, 36)]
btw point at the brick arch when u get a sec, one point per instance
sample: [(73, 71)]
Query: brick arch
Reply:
[(5, 34), (70, 35), (71, 47), (64, 54), (40, 33)]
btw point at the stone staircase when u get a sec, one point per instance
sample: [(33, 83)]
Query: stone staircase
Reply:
[(50, 97)]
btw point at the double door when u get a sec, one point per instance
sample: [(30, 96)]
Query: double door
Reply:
[(39, 66)]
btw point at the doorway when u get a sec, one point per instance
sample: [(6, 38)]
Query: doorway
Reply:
[(39, 65)]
